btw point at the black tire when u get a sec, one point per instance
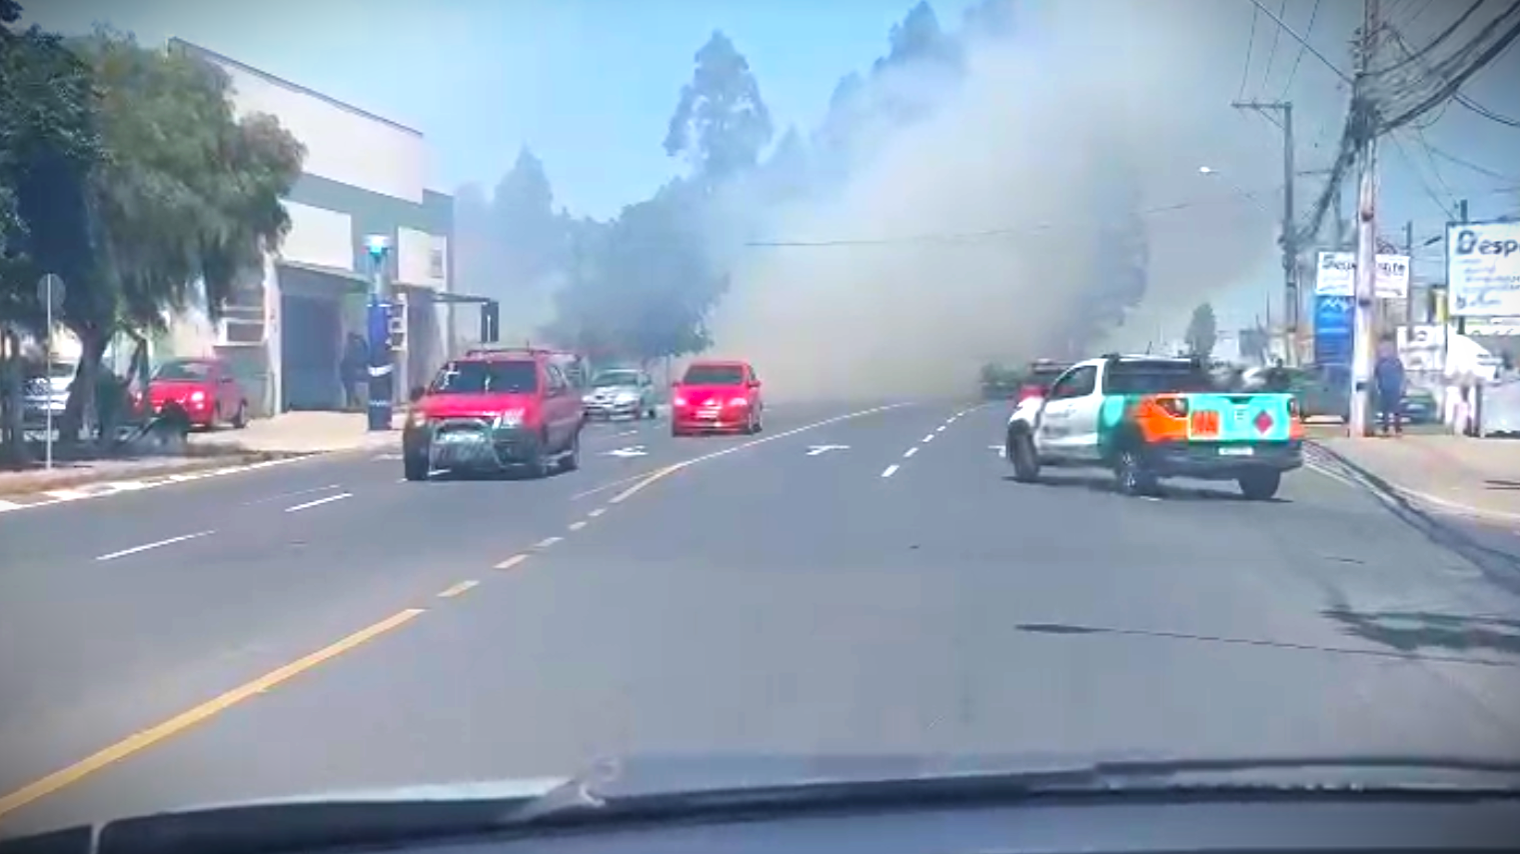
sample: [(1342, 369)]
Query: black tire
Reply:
[(1260, 485), (1131, 475), (752, 424), (638, 415), (572, 458), (760, 421), (538, 465), (676, 432), (1023, 457), (240, 418), (415, 466)]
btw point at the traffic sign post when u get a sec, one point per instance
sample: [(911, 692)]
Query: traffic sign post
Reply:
[(50, 292)]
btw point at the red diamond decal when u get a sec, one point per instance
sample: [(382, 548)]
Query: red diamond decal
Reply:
[(1263, 422)]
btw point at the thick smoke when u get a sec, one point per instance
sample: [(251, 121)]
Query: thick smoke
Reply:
[(986, 212)]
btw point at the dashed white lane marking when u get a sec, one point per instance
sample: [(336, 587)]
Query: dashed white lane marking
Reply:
[(928, 438), (319, 502), (9, 505), (156, 545), (299, 492), (910, 452), (576, 526), (597, 512), (455, 590), (66, 494), (547, 542), (940, 428), (512, 561), (889, 470)]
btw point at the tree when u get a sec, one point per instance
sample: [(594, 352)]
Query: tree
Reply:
[(721, 123), (530, 235), (185, 202), (1202, 331), (787, 171)]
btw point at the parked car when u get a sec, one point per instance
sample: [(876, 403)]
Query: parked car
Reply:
[(204, 391)]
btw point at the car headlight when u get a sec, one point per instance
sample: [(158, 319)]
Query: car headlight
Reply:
[(416, 418), (510, 418), (197, 396), (739, 401)]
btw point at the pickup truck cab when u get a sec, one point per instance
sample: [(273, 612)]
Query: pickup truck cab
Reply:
[(495, 410), (1147, 418)]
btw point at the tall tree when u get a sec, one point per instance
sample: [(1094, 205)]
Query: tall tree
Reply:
[(721, 124), (787, 171), (1202, 331), (922, 63), (185, 203), (529, 233)]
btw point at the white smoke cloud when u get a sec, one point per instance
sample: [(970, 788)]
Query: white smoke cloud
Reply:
[(1010, 152)]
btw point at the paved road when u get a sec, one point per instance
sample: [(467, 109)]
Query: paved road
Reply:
[(744, 594)]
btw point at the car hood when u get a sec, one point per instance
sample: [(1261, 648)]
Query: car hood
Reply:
[(473, 405), (614, 391)]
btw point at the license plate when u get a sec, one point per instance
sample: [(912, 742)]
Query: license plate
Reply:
[(456, 439), (709, 413), (1236, 452)]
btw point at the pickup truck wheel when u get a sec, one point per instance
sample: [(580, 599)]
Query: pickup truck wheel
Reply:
[(1260, 485), (572, 458), (1025, 459), (1131, 474)]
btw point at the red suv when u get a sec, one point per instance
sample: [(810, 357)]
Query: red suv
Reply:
[(492, 411), (716, 397)]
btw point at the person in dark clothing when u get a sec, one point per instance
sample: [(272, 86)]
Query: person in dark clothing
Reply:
[(1277, 378), (1388, 386), (353, 370)]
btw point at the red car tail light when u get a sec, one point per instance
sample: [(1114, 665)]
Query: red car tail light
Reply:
[(1028, 391)]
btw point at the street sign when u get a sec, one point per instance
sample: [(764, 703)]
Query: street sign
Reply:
[(1333, 329), (625, 453), (50, 291), (819, 450)]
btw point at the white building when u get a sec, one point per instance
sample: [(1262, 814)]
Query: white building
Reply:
[(363, 175)]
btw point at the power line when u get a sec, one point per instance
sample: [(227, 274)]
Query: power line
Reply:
[(1485, 112), (1266, 73), (1481, 170), (1245, 73), (1346, 78), (1253, 196), (1299, 57), (1453, 82)]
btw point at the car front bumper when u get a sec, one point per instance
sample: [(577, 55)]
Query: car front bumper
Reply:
[(470, 443), (727, 419), (1223, 460), (606, 410)]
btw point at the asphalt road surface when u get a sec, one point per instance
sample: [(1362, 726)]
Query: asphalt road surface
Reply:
[(853, 580)]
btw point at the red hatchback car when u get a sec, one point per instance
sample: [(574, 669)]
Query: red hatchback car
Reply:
[(204, 390), (717, 397)]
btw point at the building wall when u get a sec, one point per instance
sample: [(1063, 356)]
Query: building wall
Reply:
[(346, 193)]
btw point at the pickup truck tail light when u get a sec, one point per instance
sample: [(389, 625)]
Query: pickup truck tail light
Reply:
[(1174, 406)]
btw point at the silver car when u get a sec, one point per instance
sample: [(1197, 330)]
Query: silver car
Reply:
[(620, 393)]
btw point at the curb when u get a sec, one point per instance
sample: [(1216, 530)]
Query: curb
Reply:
[(1403, 495)]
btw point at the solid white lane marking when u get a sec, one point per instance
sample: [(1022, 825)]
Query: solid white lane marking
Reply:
[(66, 494), (889, 470), (9, 505), (145, 547), (910, 452), (319, 502), (181, 478)]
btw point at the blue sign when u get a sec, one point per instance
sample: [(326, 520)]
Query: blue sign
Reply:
[(1334, 329)]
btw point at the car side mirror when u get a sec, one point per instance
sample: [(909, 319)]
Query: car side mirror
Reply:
[(415, 394), (754, 383)]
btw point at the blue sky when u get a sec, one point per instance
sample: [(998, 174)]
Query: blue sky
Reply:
[(589, 84)]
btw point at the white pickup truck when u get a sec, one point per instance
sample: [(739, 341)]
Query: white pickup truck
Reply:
[(1147, 418)]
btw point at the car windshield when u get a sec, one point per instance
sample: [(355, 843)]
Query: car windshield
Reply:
[(606, 379), (184, 370), (1159, 377), (486, 377), (729, 375)]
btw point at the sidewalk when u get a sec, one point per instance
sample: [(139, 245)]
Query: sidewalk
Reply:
[(291, 434), (1478, 477)]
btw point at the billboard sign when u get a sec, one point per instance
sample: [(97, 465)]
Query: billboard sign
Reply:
[(1483, 269), (1335, 275), (1333, 330)]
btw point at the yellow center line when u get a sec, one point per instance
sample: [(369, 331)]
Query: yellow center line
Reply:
[(185, 720)]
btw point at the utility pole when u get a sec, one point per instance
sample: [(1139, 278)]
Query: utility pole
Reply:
[(1409, 292), (1364, 116), (1291, 302), (1461, 319)]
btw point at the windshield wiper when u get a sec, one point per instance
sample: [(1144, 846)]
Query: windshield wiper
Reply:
[(608, 795)]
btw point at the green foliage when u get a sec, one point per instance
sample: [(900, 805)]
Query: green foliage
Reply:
[(721, 124), (1202, 331)]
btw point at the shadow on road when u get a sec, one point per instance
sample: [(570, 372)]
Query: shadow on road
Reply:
[(1418, 631), (1170, 491)]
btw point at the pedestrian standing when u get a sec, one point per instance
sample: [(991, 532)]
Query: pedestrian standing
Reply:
[(1389, 387)]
